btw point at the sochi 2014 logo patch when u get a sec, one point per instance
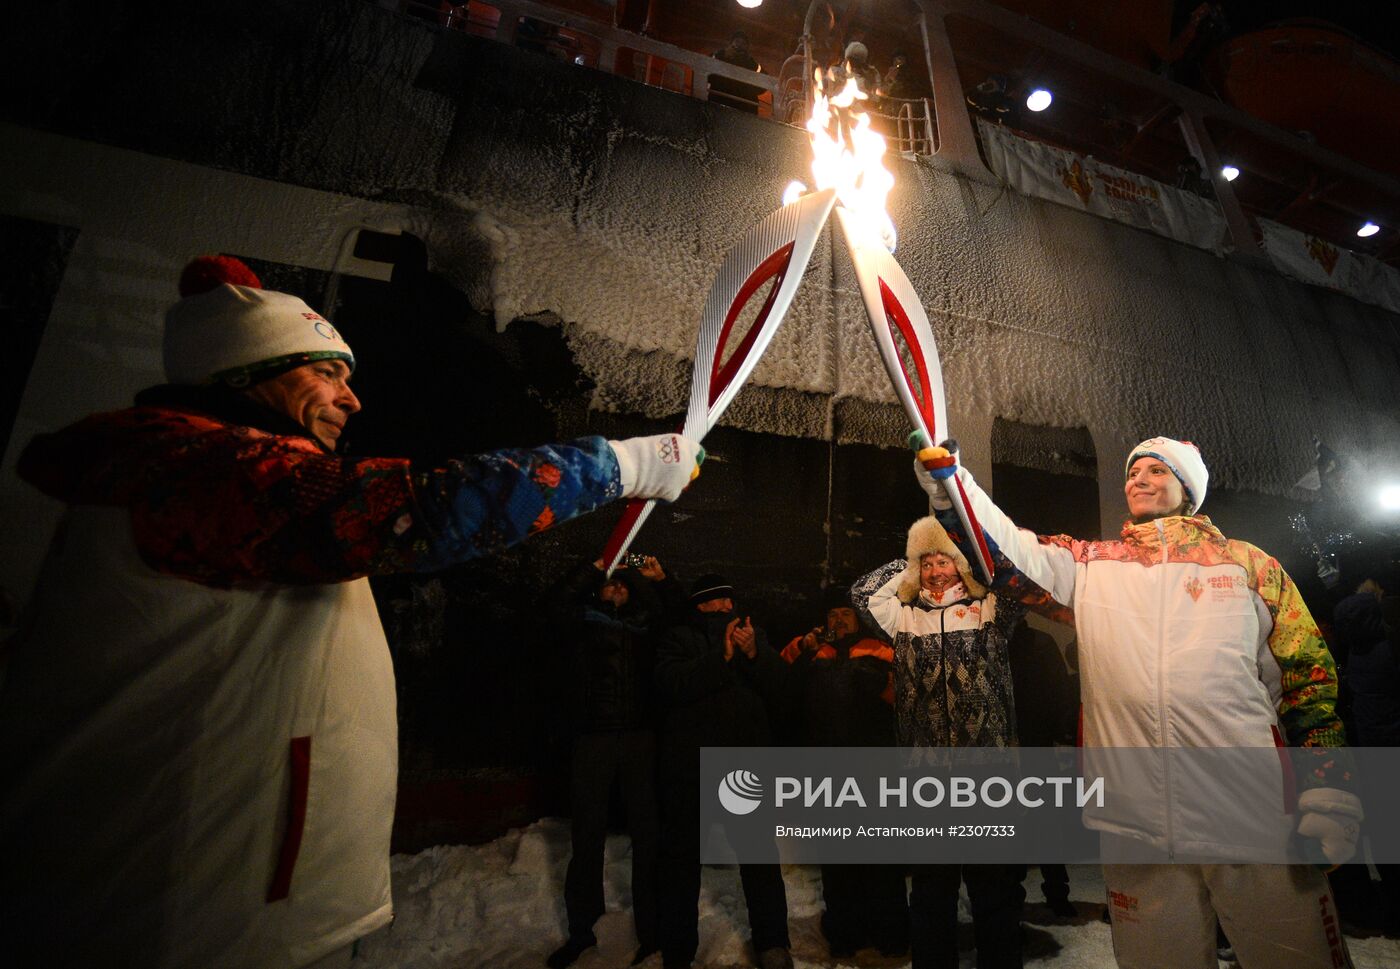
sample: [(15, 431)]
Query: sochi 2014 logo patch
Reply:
[(1194, 588)]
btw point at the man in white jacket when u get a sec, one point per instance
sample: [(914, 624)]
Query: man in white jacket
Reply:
[(1188, 639), (198, 724)]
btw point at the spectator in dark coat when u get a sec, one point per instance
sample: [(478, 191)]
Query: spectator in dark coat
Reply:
[(1367, 633), (716, 678), (844, 684), (1047, 715), (843, 680), (609, 625), (1367, 628), (729, 91), (855, 63)]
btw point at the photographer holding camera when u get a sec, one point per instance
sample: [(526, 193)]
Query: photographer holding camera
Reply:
[(843, 696), (610, 622), (718, 682)]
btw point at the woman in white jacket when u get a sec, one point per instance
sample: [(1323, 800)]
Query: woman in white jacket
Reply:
[(1188, 639)]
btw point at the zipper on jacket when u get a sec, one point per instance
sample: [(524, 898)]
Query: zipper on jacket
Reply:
[(943, 693), (1162, 692)]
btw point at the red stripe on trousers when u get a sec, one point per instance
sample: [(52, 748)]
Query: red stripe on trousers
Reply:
[(296, 819)]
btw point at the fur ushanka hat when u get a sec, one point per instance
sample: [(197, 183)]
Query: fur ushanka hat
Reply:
[(926, 536)]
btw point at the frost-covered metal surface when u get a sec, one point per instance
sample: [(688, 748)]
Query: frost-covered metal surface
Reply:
[(612, 219), (554, 192)]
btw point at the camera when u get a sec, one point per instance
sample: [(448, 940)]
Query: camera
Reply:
[(635, 560)]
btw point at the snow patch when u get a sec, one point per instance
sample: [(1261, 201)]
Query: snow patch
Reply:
[(501, 905)]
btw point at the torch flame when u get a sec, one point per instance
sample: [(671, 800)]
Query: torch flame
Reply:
[(847, 155), (794, 191)]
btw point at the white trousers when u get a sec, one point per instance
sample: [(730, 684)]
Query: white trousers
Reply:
[(336, 960), (1274, 915)]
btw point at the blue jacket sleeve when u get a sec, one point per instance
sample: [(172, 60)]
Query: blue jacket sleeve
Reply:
[(482, 504)]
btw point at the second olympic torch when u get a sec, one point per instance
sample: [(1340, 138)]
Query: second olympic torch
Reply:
[(905, 339)]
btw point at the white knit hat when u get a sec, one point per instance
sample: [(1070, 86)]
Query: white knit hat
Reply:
[(1184, 459), (228, 329)]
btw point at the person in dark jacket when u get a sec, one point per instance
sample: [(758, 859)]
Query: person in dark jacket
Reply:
[(1367, 628), (716, 678), (844, 685), (1367, 633), (610, 623), (1047, 715), (728, 91)]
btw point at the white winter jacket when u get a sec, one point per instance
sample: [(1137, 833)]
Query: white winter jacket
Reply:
[(197, 726), (208, 775), (1186, 640)]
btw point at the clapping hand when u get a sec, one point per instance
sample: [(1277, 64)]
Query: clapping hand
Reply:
[(740, 636), (745, 639)]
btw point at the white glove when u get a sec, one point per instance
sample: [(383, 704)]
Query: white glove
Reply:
[(657, 467), (1333, 817), (937, 498), (932, 467)]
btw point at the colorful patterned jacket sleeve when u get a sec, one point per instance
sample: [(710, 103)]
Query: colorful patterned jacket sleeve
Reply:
[(222, 504), (1308, 706)]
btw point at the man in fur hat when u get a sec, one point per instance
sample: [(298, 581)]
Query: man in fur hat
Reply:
[(952, 689), (198, 723), (1190, 639)]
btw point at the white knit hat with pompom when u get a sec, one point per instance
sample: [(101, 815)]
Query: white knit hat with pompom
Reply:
[(228, 329)]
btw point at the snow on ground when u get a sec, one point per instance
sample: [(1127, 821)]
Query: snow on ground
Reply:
[(501, 905)]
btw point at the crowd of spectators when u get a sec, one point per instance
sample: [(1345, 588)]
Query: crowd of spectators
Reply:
[(916, 653)]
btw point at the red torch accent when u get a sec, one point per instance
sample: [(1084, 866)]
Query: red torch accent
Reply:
[(775, 265), (631, 510), (975, 527), (894, 314)]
